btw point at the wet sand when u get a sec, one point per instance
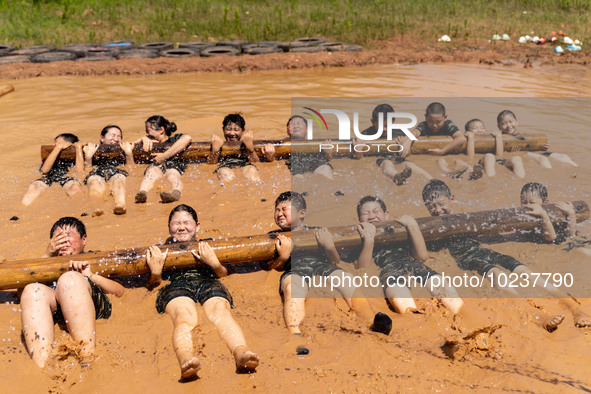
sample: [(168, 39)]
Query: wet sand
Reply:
[(134, 346)]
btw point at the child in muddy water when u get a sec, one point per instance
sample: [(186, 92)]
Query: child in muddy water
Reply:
[(191, 285), (470, 255), (167, 163), (398, 261), (507, 124), (233, 127), (533, 195), (55, 170), (77, 299), (302, 163), (292, 287), (106, 170)]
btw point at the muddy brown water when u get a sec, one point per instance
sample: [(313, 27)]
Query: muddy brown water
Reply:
[(134, 348)]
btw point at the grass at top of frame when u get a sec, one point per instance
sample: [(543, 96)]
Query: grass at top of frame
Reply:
[(60, 22)]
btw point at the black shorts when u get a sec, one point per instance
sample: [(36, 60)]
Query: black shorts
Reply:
[(405, 267), (196, 287), (105, 172), (234, 162), (102, 304), (303, 163), (484, 260), (501, 160), (179, 165), (307, 268), (50, 179)]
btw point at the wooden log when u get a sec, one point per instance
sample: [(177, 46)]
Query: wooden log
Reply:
[(5, 89), (199, 151), (127, 262)]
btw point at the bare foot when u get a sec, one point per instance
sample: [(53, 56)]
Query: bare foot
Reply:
[(477, 172), (190, 368), (168, 197), (552, 324), (141, 197), (246, 361), (119, 210), (582, 320)]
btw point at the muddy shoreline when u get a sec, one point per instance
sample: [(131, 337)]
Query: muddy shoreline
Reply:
[(393, 52)]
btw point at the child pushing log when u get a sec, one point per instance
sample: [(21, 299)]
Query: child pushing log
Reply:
[(127, 262)]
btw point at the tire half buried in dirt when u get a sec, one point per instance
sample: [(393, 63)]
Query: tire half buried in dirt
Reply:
[(233, 43), (95, 58), (5, 49), (196, 45), (310, 40), (179, 52), (138, 54), (49, 57), (34, 50), (15, 59), (220, 51), (308, 49), (261, 50), (158, 45)]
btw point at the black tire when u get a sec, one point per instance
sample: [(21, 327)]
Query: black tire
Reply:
[(138, 54), (77, 49), (196, 45), (269, 43), (179, 52), (220, 51), (5, 49), (158, 45), (232, 43), (34, 50), (95, 58), (15, 59), (49, 57), (334, 46), (101, 51), (308, 49), (262, 50), (311, 40), (287, 46), (353, 48), (121, 45)]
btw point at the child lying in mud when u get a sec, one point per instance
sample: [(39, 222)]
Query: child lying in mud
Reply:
[(387, 162), (396, 261), (533, 195), (55, 170), (167, 163), (233, 127), (107, 170), (292, 288), (191, 285), (302, 163), (470, 255), (77, 299), (507, 124)]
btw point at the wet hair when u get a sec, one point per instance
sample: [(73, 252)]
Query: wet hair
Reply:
[(106, 129), (381, 108), (503, 113), (69, 221), (183, 208), (68, 137), (295, 117), (470, 122), (367, 199), (537, 189), (296, 199), (234, 118), (158, 121), (435, 109), (434, 189)]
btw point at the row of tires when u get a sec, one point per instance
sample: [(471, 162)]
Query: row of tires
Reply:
[(127, 49)]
